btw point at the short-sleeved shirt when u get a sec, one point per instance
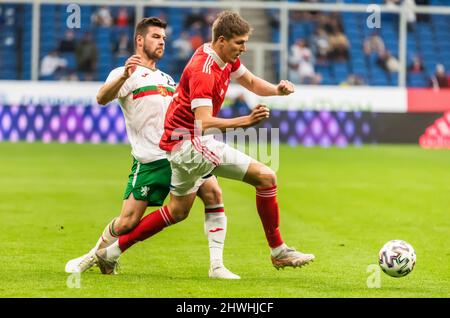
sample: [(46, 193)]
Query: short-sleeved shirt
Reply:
[(204, 82), (144, 99)]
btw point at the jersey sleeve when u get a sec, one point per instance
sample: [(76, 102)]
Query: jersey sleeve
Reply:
[(237, 69), (126, 88), (201, 87)]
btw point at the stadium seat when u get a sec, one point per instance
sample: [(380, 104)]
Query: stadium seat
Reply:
[(429, 40), (416, 80)]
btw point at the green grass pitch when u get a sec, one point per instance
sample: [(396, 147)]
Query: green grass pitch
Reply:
[(342, 204)]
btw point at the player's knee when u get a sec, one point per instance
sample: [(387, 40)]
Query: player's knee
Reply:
[(122, 228), (267, 178), (179, 213), (214, 196), (125, 225)]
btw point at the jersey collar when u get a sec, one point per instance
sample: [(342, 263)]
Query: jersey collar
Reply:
[(148, 68), (208, 50)]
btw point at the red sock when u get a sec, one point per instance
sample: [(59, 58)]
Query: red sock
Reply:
[(148, 226), (267, 205)]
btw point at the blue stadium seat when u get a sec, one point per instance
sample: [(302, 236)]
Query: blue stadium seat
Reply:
[(430, 40), (120, 61), (8, 75), (393, 79), (275, 37), (416, 80), (102, 33), (340, 71), (71, 61), (358, 66)]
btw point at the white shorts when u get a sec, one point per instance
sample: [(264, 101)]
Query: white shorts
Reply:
[(194, 161)]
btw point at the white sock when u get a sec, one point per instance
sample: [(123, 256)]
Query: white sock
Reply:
[(113, 251), (277, 250), (109, 235), (216, 231), (107, 238)]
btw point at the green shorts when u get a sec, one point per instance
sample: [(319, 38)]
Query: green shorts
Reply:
[(149, 181)]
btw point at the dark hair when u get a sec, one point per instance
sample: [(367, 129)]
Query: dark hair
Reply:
[(142, 26), (229, 24)]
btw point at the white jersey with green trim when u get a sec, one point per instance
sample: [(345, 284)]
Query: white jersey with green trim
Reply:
[(144, 98)]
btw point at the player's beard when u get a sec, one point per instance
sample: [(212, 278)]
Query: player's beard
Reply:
[(153, 55)]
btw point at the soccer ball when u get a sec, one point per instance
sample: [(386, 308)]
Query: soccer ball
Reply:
[(397, 258)]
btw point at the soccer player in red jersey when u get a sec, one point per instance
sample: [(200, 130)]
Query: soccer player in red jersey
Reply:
[(194, 154)]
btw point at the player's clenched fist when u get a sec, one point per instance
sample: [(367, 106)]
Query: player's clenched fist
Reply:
[(259, 112), (131, 64), (285, 88)]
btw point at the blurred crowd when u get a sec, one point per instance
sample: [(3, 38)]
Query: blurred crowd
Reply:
[(54, 66), (327, 43)]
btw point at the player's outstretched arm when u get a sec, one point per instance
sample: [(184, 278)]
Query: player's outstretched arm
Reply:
[(109, 90), (204, 117), (261, 87)]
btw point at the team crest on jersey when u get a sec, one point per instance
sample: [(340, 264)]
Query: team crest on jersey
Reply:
[(162, 90), (145, 190)]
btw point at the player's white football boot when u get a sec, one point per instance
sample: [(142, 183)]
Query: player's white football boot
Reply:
[(221, 272), (290, 257), (107, 265), (80, 264)]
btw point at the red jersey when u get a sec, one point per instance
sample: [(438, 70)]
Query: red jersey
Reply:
[(204, 82)]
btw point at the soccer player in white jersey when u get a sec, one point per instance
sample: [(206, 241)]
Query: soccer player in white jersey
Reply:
[(193, 153), (144, 94)]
